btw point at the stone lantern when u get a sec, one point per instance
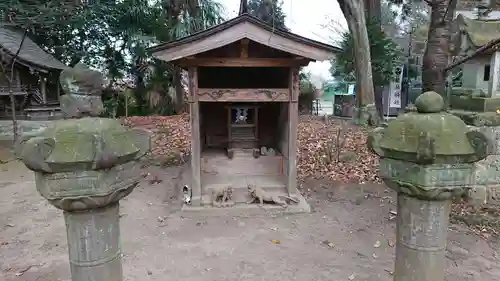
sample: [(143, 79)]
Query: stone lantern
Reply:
[(84, 165), (428, 157)]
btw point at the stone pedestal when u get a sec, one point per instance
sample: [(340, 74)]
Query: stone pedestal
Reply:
[(428, 157), (94, 244), (85, 166), (421, 239)]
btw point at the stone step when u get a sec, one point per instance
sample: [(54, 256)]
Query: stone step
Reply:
[(242, 164)]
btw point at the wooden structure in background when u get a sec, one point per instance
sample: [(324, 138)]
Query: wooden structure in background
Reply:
[(36, 77), (243, 63)]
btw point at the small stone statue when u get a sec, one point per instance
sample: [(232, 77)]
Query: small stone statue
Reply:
[(258, 194), (222, 196), (83, 88), (263, 151)]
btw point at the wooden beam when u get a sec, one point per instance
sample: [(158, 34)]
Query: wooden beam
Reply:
[(244, 62), (243, 95), (244, 48)]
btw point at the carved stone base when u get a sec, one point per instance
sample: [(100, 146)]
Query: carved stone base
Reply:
[(431, 182), (83, 190)]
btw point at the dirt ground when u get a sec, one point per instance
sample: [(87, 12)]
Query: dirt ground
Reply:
[(335, 242)]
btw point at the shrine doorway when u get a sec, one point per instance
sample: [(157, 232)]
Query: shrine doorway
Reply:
[(243, 143)]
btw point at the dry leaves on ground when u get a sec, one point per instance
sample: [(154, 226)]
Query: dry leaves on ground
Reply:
[(323, 153), (171, 138), (318, 144)]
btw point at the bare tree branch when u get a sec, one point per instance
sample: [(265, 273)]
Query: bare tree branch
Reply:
[(493, 44)]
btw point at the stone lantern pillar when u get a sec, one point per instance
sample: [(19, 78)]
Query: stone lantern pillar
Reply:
[(428, 157), (84, 165)]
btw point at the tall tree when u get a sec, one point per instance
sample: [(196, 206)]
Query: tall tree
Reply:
[(185, 18), (269, 11), (437, 56), (385, 57), (112, 35), (354, 13)]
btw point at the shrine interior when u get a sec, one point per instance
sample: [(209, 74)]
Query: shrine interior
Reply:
[(265, 125)]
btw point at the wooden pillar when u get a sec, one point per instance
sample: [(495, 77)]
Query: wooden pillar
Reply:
[(494, 81), (194, 113), (59, 92), (18, 78), (293, 117), (43, 88)]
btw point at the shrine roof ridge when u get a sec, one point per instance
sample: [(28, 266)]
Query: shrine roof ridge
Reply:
[(240, 19)]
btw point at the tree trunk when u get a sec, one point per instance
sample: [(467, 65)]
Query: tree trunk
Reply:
[(437, 52), (373, 11), (379, 103), (354, 13), (179, 91), (373, 16)]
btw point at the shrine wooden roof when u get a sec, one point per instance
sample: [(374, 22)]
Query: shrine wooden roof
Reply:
[(31, 54), (241, 27), (479, 32)]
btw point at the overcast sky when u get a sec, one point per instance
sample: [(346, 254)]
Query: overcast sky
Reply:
[(306, 18)]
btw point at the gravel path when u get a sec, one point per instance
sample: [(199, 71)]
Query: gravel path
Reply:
[(336, 242)]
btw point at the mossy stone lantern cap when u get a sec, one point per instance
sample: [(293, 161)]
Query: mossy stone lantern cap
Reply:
[(429, 136)]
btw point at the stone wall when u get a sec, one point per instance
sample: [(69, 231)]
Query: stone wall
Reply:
[(488, 170), (25, 126)]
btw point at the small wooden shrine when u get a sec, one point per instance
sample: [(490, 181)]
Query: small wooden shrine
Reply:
[(35, 83), (243, 96)]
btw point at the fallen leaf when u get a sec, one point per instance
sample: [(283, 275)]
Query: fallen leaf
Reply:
[(328, 244), (390, 242)]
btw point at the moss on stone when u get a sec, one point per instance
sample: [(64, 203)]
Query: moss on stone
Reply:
[(78, 140)]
